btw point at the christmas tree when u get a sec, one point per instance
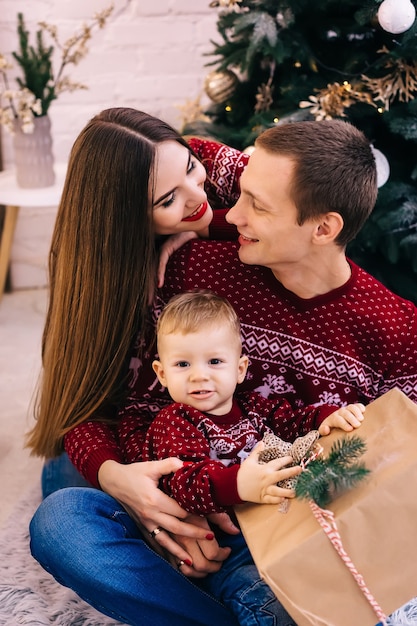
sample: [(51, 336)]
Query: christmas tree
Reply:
[(283, 60)]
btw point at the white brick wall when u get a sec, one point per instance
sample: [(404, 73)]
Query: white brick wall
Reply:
[(150, 55)]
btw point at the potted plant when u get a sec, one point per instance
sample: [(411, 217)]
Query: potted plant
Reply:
[(24, 111)]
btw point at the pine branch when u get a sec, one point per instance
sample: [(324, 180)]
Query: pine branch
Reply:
[(323, 479), (346, 450), (36, 61)]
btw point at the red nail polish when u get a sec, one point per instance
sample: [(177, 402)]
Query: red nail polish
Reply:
[(210, 536), (188, 562)]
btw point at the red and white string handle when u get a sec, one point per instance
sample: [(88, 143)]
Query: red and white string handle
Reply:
[(327, 521)]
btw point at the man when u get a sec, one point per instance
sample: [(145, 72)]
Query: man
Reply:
[(315, 326)]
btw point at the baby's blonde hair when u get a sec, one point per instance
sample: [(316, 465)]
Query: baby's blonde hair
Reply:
[(189, 312)]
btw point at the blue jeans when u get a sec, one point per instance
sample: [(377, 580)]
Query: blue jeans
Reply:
[(239, 586), (99, 522), (59, 473), (87, 541)]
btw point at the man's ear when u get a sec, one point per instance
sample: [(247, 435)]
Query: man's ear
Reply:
[(328, 228), (159, 371), (242, 368)]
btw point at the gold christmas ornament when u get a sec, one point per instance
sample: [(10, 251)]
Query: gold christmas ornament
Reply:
[(332, 101), (220, 85), (399, 82)]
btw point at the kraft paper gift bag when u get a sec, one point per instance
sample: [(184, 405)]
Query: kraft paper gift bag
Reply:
[(377, 521)]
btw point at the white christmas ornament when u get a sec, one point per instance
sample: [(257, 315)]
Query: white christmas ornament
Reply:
[(382, 167), (396, 16)]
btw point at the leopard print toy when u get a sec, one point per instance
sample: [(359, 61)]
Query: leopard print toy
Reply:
[(275, 447)]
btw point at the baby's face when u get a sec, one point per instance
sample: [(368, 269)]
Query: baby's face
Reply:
[(202, 368)]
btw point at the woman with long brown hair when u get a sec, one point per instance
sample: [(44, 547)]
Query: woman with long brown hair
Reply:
[(131, 181)]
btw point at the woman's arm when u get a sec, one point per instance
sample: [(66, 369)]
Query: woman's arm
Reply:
[(93, 447), (181, 536), (88, 445)]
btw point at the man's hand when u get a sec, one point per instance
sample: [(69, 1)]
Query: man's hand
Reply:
[(347, 418)]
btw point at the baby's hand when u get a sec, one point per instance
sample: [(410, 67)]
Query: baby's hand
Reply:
[(257, 482), (347, 418)]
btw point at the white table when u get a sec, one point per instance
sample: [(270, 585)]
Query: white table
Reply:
[(14, 198)]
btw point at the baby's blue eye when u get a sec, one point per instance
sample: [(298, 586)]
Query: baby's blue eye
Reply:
[(215, 361), (182, 364)]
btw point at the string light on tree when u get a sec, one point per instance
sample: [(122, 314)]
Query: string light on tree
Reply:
[(396, 16), (226, 4)]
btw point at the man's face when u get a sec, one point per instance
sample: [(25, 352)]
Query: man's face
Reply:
[(266, 216)]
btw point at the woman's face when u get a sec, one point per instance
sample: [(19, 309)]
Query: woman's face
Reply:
[(179, 201)]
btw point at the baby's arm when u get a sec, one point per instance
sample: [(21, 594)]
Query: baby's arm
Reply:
[(347, 418), (202, 485)]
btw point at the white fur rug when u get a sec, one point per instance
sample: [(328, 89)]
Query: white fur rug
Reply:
[(29, 596)]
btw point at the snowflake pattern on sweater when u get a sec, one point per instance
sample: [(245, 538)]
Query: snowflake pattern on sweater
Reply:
[(213, 447)]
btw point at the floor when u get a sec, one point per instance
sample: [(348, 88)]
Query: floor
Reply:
[(22, 316)]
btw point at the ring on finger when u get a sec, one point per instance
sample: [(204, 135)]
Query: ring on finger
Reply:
[(155, 532), (180, 564)]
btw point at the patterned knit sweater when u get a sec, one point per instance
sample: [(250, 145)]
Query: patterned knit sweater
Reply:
[(351, 344), (212, 447)]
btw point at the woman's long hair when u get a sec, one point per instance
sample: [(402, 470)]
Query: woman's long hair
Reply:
[(102, 268)]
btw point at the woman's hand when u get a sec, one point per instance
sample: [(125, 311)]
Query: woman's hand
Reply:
[(184, 537), (206, 554), (168, 248), (257, 482)]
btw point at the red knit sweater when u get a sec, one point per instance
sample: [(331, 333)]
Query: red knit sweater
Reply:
[(214, 446), (352, 344)]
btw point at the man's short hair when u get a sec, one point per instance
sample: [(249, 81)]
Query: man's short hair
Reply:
[(334, 170)]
